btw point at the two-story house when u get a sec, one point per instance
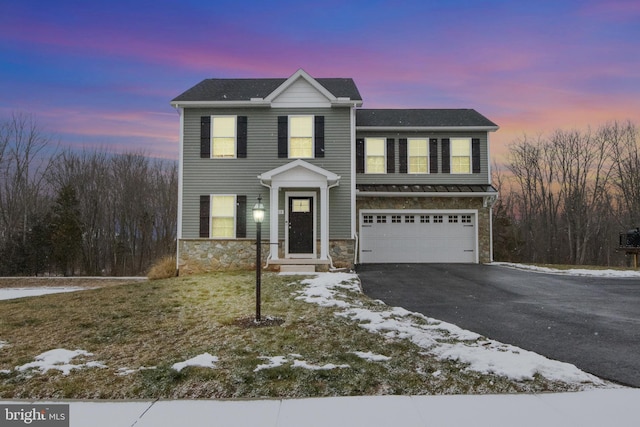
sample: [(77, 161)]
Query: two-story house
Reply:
[(341, 185)]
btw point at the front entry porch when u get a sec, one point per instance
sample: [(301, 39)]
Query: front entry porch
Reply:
[(299, 214)]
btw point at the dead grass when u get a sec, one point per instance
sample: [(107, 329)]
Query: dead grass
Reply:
[(158, 323), (163, 269)]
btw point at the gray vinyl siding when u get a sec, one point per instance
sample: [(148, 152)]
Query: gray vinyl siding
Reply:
[(431, 178), (239, 176)]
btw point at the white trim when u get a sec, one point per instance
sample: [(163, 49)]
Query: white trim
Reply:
[(409, 156), (353, 173), (235, 136), (304, 75), (489, 178), (180, 182), (423, 194), (428, 212), (429, 128), (235, 215), (255, 102), (293, 194), (384, 163), (268, 176), (470, 141), (313, 135)]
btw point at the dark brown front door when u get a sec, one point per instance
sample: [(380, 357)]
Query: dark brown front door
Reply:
[(301, 225)]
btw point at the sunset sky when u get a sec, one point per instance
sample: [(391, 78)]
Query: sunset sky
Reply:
[(101, 74)]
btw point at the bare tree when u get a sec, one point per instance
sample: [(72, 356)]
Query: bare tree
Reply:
[(24, 159)]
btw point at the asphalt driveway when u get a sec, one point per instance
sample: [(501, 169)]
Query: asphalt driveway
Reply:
[(593, 323)]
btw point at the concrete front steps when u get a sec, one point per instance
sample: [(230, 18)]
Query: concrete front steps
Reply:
[(300, 265)]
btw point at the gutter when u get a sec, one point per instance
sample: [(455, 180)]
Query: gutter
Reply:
[(429, 128)]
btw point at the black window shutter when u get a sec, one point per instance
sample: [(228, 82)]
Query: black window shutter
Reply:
[(446, 157), (433, 155), (319, 136), (391, 155), (205, 211), (360, 155), (241, 216), (283, 136), (475, 155), (242, 136), (205, 137), (402, 152)]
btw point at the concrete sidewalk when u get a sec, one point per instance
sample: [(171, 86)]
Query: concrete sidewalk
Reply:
[(601, 407)]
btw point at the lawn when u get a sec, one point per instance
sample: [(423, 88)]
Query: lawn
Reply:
[(132, 335)]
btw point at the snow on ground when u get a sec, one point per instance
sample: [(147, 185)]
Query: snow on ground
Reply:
[(13, 293), (296, 362), (60, 360), (440, 339), (204, 360), (122, 372), (572, 271), (371, 357)]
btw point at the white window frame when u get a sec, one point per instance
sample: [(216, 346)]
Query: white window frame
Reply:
[(426, 141), (290, 136), (452, 168), (235, 136), (366, 155), (235, 215)]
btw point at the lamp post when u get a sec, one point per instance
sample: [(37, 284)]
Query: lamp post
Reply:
[(258, 217)]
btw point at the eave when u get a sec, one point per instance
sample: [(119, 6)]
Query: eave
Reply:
[(428, 128)]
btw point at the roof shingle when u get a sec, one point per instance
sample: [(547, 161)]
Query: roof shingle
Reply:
[(399, 118), (245, 89)]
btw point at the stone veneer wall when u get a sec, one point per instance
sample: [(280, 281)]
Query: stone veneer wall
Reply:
[(445, 203), (205, 255)]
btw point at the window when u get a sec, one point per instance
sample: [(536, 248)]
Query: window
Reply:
[(425, 219), (418, 153), (460, 155), (453, 219), (301, 137), (381, 219), (409, 219), (223, 214), (437, 219), (367, 219), (396, 219), (223, 137), (375, 155), (466, 219)]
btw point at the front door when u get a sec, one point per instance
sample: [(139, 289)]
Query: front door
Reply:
[(300, 225)]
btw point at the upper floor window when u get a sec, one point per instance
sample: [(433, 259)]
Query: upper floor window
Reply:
[(301, 137), (223, 136), (418, 156), (375, 155), (460, 155), (223, 214)]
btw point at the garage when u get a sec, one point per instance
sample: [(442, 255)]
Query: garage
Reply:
[(399, 236)]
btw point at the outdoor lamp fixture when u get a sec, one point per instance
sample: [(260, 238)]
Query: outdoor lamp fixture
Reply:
[(258, 217)]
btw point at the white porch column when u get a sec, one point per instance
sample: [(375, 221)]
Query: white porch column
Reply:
[(273, 221), (324, 222)]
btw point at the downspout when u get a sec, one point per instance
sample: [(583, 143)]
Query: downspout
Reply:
[(180, 111), (269, 187), (331, 266)]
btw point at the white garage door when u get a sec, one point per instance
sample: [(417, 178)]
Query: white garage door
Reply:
[(398, 236)]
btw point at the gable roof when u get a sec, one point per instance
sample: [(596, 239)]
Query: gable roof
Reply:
[(247, 90), (422, 119)]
